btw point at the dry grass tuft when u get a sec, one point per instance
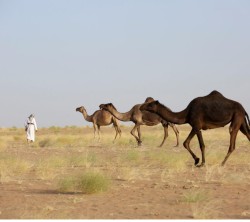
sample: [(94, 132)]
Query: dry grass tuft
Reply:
[(50, 168), (12, 167), (205, 210), (47, 142), (3, 145), (194, 196)]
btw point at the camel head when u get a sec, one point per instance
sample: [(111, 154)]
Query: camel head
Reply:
[(150, 106), (107, 106), (80, 109)]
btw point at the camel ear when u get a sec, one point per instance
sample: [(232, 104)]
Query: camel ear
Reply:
[(157, 102)]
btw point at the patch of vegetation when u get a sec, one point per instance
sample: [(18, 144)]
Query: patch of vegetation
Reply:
[(206, 210), (125, 142), (93, 183), (132, 155), (13, 128), (11, 167), (78, 160), (46, 142), (18, 138), (194, 196), (65, 141), (67, 185), (174, 161), (89, 183), (3, 145), (55, 129), (50, 167)]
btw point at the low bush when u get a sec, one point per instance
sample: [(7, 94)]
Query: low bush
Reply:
[(89, 183)]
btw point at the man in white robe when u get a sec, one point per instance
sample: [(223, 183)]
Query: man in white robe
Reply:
[(30, 128)]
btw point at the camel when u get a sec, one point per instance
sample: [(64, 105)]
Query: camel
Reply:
[(100, 118), (141, 118), (208, 112)]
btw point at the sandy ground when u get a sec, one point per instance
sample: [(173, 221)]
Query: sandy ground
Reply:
[(145, 197)]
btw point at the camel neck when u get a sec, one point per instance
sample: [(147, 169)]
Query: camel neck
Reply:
[(121, 116), (87, 117), (173, 117)]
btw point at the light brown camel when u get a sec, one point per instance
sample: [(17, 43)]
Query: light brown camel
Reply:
[(208, 112), (141, 118), (100, 118)]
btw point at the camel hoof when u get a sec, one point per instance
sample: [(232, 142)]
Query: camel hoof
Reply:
[(201, 165), (197, 160)]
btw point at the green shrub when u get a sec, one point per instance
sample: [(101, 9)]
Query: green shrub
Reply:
[(67, 185), (89, 183), (92, 183)]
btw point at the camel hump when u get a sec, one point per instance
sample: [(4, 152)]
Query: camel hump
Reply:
[(97, 111), (215, 92), (149, 100), (105, 106)]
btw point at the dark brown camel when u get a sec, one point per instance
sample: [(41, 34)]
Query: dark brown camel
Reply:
[(208, 112), (141, 118), (100, 118)]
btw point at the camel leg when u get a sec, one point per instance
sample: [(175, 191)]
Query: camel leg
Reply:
[(116, 132), (165, 127), (98, 130), (139, 135), (117, 129), (176, 131), (94, 130), (202, 147), (136, 137), (233, 134), (186, 145)]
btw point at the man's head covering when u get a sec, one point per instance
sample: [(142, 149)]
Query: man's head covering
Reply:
[(31, 116)]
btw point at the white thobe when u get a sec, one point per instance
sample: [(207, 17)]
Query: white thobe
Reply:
[(31, 126)]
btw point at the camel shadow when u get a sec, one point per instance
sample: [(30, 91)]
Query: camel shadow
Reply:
[(54, 192)]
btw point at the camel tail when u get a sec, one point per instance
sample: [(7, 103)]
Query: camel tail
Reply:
[(247, 121)]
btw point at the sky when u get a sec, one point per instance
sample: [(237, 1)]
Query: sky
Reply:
[(58, 55)]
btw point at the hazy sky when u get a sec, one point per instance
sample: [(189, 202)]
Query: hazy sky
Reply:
[(58, 55)]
